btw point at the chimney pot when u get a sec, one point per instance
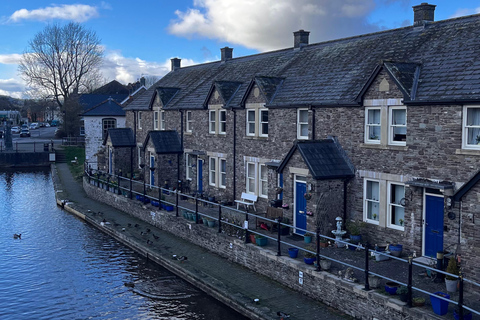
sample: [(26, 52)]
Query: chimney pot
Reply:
[(227, 53), (300, 38), (422, 13), (175, 63)]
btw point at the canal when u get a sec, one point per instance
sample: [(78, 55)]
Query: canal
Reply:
[(62, 268)]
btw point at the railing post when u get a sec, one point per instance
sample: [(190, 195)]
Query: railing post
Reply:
[(219, 218), (118, 182), (460, 297), (131, 186), (367, 257), (159, 197), (409, 282), (196, 209), (246, 229), (317, 240), (34, 147), (279, 250), (108, 182), (176, 202)]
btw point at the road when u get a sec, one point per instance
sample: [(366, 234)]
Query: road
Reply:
[(35, 142)]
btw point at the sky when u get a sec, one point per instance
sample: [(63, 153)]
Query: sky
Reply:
[(140, 37)]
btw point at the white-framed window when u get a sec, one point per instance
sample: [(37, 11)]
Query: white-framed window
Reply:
[(257, 179), (139, 120), (212, 171), (395, 212), (372, 125), (397, 126), (189, 120), (108, 123), (251, 122), (155, 121), (162, 120), (251, 181), (223, 173), (471, 127), (211, 121), (263, 123), (263, 177), (189, 162), (371, 197), (302, 124), (222, 121)]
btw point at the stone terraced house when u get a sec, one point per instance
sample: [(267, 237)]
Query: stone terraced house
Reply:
[(386, 125)]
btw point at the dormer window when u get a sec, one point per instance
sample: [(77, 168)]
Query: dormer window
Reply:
[(471, 127)]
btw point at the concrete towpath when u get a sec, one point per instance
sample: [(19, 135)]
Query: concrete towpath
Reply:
[(230, 283)]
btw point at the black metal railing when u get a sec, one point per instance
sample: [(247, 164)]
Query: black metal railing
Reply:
[(28, 147)]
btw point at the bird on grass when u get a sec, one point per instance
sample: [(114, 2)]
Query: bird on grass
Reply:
[(155, 236), (17, 236), (136, 225), (148, 230)]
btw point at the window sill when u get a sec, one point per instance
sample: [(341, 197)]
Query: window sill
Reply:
[(374, 222), (395, 227), (383, 147), (468, 152), (255, 138), (188, 133)]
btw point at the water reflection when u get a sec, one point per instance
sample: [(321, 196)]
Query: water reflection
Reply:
[(62, 268)]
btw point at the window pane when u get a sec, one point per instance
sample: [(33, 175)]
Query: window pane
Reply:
[(303, 116), (374, 132), (473, 117), (264, 116), (251, 128), (372, 210), (223, 116), (399, 117), (251, 170), (265, 128), (251, 115), (374, 116), (304, 130), (373, 190)]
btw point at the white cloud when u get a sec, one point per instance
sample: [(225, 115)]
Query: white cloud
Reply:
[(465, 12), (13, 58), (74, 12), (269, 24), (12, 87)]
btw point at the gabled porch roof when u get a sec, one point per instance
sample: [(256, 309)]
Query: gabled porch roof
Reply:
[(164, 142)]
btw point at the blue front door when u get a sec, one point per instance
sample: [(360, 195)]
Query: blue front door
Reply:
[(300, 207), (433, 225), (199, 176), (152, 173)]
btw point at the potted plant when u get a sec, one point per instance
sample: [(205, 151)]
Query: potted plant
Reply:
[(309, 257), (418, 301), (400, 221), (307, 196), (355, 229), (374, 281), (323, 243), (261, 240), (466, 316), (391, 287), (402, 291), (451, 281), (293, 252), (307, 237), (325, 264), (395, 249), (439, 306), (252, 238), (211, 223)]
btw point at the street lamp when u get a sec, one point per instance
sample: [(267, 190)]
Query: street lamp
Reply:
[(142, 165)]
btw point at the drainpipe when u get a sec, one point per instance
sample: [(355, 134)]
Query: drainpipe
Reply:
[(181, 129), (345, 182), (234, 153), (313, 123)]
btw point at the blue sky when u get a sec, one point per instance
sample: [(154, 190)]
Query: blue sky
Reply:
[(140, 37)]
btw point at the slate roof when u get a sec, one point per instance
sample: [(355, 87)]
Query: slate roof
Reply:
[(325, 159), (165, 142), (113, 87), (120, 137), (88, 101), (226, 89), (108, 107), (334, 72)]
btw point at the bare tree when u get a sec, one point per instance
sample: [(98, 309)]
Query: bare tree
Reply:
[(62, 61), (151, 80)]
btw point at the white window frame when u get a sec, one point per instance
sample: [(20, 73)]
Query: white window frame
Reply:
[(373, 201), (162, 120), (466, 127), (301, 124), (212, 171), (222, 124), (396, 205), (212, 124), (139, 119), (189, 161), (188, 120), (261, 181), (249, 177), (222, 173), (249, 122), (369, 139), (392, 126), (261, 123), (156, 120)]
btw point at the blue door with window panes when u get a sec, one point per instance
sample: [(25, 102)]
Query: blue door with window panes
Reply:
[(300, 207), (434, 212), (200, 176)]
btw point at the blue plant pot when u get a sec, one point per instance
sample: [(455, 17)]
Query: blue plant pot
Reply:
[(309, 260), (439, 306), (293, 252), (355, 239), (211, 223), (169, 208), (391, 287), (395, 250), (261, 241), (466, 316), (307, 239)]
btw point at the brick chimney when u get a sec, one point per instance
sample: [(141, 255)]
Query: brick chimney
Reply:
[(423, 13), (175, 63), (227, 53), (300, 38)]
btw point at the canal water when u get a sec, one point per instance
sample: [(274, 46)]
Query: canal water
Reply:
[(62, 268)]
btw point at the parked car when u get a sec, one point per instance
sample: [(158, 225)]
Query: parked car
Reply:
[(54, 123), (47, 125), (16, 130), (25, 133), (34, 125), (24, 126)]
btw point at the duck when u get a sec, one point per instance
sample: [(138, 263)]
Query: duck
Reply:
[(17, 236), (155, 236), (129, 284)]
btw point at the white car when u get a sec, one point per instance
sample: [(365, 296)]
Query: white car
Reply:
[(34, 125), (15, 129)]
